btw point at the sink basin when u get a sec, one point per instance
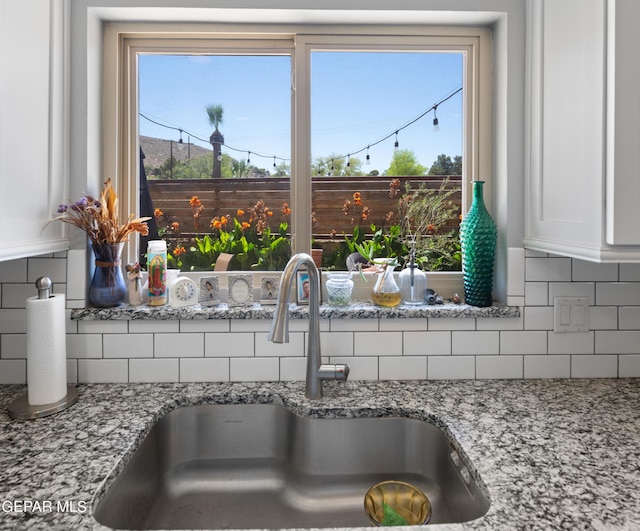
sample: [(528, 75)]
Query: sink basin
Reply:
[(247, 466)]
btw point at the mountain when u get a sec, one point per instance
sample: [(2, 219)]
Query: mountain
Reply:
[(157, 151)]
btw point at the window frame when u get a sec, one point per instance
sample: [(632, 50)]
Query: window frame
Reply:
[(123, 41)]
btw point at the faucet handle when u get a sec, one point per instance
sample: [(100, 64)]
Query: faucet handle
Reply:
[(333, 372)]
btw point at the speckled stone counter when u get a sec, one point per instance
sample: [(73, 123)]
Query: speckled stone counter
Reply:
[(359, 310), (552, 454)]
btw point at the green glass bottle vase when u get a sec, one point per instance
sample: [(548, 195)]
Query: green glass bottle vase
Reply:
[(478, 234)]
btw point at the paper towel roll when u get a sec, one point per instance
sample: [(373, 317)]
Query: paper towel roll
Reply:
[(46, 350)]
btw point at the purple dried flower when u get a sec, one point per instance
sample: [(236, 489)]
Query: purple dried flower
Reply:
[(62, 209)]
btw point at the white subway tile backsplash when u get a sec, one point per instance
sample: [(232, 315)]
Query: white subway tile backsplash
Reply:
[(103, 327), (179, 345), (475, 343), (154, 327), (629, 317), (629, 272), (127, 345), (594, 366), (531, 342), (377, 343), (451, 323), (572, 289), (584, 271), (84, 346), (451, 367), (222, 350), (361, 368), (254, 369), (510, 367), (536, 293), (292, 369), (515, 273), (402, 368), (427, 343), (547, 366), (295, 347), (240, 345), (618, 294), (204, 325), (617, 342), (629, 366), (538, 318), (13, 371), (337, 343), (570, 342), (204, 369), (548, 269), (103, 371), (13, 346), (154, 370)]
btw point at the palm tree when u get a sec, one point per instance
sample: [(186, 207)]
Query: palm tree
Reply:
[(216, 113)]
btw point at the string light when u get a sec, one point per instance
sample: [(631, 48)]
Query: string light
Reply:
[(348, 161), (180, 141), (368, 158), (248, 157), (436, 128)]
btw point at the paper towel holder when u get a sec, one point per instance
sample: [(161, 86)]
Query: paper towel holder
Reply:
[(20, 409)]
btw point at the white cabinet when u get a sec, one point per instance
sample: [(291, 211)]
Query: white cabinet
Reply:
[(582, 194), (33, 129)]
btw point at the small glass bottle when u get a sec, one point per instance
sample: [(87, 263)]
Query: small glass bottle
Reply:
[(413, 282), (157, 268), (386, 292), (339, 288)]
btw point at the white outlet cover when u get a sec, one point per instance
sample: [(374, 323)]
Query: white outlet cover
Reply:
[(571, 314)]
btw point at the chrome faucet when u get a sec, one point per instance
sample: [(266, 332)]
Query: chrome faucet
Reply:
[(279, 333)]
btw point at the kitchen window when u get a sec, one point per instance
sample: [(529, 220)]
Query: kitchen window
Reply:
[(128, 47)]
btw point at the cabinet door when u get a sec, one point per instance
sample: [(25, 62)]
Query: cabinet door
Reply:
[(565, 109), (32, 127), (623, 123)]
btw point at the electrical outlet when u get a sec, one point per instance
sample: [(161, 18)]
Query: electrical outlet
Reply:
[(571, 314)]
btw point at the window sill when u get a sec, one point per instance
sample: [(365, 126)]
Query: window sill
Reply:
[(357, 310)]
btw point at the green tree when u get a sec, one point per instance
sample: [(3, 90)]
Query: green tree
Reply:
[(404, 163), (216, 114), (336, 165), (445, 166)]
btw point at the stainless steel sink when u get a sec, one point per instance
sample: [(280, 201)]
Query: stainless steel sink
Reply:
[(261, 466)]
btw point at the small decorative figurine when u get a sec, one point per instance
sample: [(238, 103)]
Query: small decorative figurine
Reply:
[(134, 284)]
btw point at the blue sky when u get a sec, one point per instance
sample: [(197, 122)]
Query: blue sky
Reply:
[(357, 99)]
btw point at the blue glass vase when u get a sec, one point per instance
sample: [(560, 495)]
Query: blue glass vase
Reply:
[(478, 236), (107, 287)]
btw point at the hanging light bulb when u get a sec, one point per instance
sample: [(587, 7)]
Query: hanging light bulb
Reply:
[(274, 162), (367, 159), (180, 141), (396, 146), (348, 161), (248, 157), (332, 169), (436, 127)]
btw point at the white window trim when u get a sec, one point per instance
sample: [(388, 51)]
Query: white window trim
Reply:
[(123, 40)]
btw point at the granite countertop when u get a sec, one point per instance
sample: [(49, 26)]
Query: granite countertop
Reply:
[(553, 454), (356, 310)]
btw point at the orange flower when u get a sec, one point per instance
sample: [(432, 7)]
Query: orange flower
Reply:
[(158, 213), (431, 227), (285, 209), (269, 213), (365, 213), (194, 202), (357, 200), (215, 223), (223, 220), (179, 250), (240, 213), (245, 225), (175, 226)]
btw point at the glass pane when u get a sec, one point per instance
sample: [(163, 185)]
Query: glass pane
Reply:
[(215, 132), (374, 132)]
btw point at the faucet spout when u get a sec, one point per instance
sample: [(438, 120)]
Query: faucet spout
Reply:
[(279, 333)]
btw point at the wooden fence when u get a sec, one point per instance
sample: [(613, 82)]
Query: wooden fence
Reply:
[(225, 196)]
